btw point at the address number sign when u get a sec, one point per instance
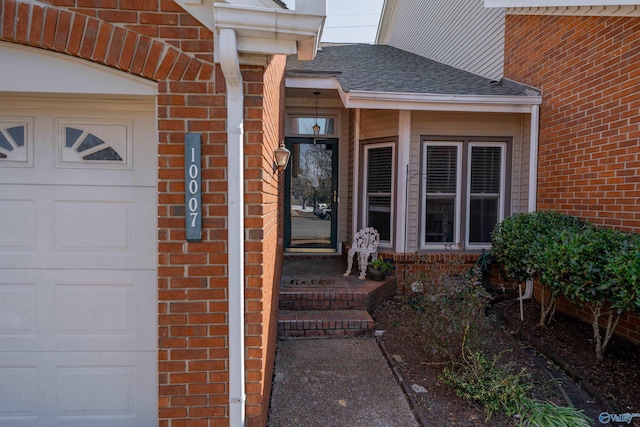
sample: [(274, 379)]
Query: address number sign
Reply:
[(193, 190)]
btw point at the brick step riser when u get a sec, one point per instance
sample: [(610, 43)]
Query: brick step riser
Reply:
[(323, 300), (324, 324)]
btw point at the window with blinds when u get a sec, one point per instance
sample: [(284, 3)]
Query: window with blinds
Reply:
[(485, 188), (379, 189), (442, 187), (442, 163), (464, 192)]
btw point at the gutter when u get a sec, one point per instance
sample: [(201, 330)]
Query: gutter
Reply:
[(416, 101), (438, 102), (230, 65)]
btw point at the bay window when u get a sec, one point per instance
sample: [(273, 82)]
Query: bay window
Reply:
[(463, 195)]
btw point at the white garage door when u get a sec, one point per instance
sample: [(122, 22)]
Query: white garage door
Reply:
[(78, 300)]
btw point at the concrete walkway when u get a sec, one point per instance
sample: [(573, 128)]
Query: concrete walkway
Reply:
[(336, 383)]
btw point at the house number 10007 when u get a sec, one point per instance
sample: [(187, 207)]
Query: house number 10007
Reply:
[(193, 190)]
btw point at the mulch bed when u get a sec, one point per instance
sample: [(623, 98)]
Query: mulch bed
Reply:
[(616, 378), (403, 338)]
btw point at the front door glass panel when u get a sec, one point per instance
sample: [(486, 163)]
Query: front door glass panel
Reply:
[(311, 195)]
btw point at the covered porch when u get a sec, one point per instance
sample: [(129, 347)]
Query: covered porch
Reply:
[(429, 155)]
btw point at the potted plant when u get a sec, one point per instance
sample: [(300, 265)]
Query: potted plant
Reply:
[(379, 268)]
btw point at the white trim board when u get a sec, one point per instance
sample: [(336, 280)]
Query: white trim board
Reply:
[(32, 70), (557, 3)]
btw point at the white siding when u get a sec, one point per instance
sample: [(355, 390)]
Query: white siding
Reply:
[(460, 33)]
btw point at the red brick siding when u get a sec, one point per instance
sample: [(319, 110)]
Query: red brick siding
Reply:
[(628, 327), (408, 266), (587, 69), (157, 40), (264, 106)]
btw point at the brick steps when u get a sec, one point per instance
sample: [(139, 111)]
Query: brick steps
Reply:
[(317, 301), (324, 299), (324, 323)]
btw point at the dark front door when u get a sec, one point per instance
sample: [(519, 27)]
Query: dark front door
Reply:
[(311, 195)]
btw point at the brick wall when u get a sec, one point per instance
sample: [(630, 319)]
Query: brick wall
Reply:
[(628, 327), (408, 266), (587, 69), (264, 106), (157, 40)]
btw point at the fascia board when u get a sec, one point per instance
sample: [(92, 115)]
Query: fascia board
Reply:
[(556, 3), (384, 22), (414, 101), (29, 70), (272, 26), (258, 45), (311, 82), (423, 102)]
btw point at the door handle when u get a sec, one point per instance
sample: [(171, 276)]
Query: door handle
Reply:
[(335, 196)]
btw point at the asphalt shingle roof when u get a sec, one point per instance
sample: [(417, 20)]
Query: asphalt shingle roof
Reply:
[(381, 68)]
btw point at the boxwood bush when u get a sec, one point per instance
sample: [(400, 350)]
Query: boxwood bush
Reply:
[(517, 242), (595, 267)]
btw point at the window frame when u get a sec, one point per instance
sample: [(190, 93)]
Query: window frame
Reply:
[(463, 189), (501, 194), (424, 195), (295, 115), (392, 195)]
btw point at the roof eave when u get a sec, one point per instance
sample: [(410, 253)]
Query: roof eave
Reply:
[(438, 102), (417, 101)]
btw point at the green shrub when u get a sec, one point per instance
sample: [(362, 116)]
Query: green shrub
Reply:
[(517, 242), (582, 267), (499, 389), (598, 268), (624, 271), (489, 382), (451, 305)]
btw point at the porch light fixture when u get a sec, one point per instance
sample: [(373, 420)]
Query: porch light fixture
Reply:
[(316, 127), (281, 158)]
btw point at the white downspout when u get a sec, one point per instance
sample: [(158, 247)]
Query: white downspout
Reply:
[(533, 176), (230, 65)]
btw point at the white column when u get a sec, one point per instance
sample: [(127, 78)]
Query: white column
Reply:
[(404, 153)]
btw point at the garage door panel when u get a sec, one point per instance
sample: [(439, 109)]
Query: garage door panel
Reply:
[(77, 310), (77, 227), (78, 262), (17, 225), (19, 394), (99, 226), (18, 309), (77, 389), (92, 147)]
